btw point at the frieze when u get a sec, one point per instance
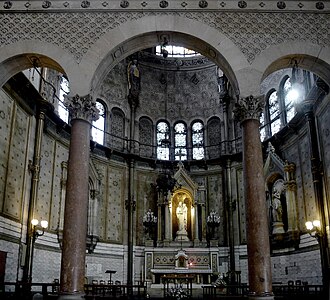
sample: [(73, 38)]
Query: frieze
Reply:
[(272, 5), (77, 32)]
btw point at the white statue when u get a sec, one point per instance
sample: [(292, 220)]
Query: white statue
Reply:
[(181, 213)]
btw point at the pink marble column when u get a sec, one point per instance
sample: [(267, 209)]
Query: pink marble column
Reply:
[(82, 111), (248, 111)]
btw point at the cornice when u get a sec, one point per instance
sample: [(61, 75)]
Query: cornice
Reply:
[(164, 5)]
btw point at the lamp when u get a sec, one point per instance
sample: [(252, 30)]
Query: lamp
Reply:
[(34, 234), (213, 220), (149, 220), (314, 228)]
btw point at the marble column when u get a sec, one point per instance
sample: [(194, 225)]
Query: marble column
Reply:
[(248, 111), (82, 111)]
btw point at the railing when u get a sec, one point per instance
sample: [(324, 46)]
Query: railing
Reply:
[(115, 291), (20, 290), (312, 292), (26, 291)]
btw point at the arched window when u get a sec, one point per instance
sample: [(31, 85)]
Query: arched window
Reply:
[(98, 127), (145, 136), (274, 112), (180, 141), (64, 90), (163, 141), (117, 129), (214, 137), (197, 137), (289, 96)]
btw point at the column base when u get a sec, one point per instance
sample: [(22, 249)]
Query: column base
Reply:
[(77, 296)]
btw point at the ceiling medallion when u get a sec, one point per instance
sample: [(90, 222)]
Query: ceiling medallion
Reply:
[(104, 4), (184, 4), (66, 4), (7, 5), (300, 5), (222, 4), (281, 4), (163, 4), (46, 4), (242, 4), (85, 4), (203, 4), (262, 4), (319, 5), (144, 3), (27, 4), (124, 4)]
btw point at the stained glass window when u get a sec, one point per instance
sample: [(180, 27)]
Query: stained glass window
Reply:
[(99, 125), (197, 131), (180, 140), (163, 141), (274, 112), (288, 99), (64, 90)]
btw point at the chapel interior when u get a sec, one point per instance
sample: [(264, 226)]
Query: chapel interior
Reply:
[(163, 157)]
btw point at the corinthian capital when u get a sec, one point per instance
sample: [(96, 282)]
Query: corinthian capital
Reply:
[(249, 108), (82, 107)]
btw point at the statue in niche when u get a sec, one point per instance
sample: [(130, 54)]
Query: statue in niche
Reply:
[(181, 213), (133, 76), (277, 209)]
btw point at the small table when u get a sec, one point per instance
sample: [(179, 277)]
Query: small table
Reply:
[(110, 272)]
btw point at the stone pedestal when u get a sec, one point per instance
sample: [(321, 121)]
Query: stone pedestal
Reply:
[(278, 227)]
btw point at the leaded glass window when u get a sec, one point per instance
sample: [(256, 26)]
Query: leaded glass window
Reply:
[(288, 99), (214, 137), (98, 126), (197, 135), (117, 129), (64, 90), (163, 141), (145, 136), (274, 112), (262, 127), (180, 141)]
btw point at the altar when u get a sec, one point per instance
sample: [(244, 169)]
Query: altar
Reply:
[(180, 264)]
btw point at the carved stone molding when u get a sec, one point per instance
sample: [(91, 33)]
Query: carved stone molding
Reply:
[(81, 107), (249, 108)]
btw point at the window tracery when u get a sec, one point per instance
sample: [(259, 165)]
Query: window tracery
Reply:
[(117, 129), (214, 137), (180, 141), (146, 136), (163, 140), (197, 135)]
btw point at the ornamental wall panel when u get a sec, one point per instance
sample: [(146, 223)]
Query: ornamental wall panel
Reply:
[(17, 168), (116, 197), (6, 114)]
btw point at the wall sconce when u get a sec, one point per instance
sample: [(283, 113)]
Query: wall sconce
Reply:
[(314, 228), (35, 232)]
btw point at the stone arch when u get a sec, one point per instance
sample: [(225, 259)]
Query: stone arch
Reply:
[(316, 60), (148, 31), (19, 56)]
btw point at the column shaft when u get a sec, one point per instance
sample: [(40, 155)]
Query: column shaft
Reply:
[(75, 214)]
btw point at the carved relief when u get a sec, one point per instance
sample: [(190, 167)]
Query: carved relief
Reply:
[(249, 108)]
